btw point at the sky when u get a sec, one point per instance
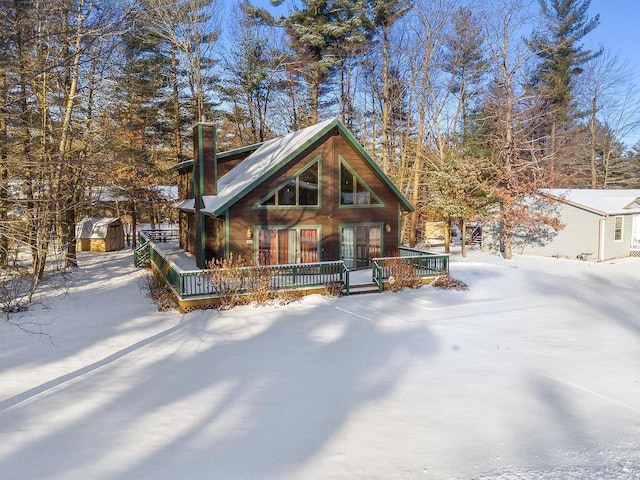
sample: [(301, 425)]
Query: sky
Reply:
[(619, 34), (618, 30)]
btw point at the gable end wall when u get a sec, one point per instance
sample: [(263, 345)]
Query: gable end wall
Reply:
[(329, 216)]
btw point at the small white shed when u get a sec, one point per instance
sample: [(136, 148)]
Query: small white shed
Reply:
[(99, 235)]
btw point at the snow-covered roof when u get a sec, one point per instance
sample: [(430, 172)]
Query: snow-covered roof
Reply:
[(266, 160), (602, 202), (94, 227), (111, 194), (263, 161)]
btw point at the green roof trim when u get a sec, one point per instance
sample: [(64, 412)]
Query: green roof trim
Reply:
[(235, 151), (188, 164), (298, 150), (375, 167)]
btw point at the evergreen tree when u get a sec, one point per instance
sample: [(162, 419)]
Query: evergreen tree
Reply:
[(561, 60), (321, 34), (251, 77), (137, 127)]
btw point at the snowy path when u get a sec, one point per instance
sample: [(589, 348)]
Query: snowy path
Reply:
[(534, 373)]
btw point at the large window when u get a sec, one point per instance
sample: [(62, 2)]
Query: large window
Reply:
[(299, 191), (353, 190), (278, 246), (617, 232)]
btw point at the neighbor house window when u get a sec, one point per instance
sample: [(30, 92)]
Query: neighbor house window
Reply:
[(617, 232)]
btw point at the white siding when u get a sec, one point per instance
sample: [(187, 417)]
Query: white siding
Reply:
[(579, 236)]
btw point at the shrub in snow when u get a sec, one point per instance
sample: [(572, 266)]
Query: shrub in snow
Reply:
[(238, 283), (333, 289), (401, 274), (16, 287), (160, 292), (449, 283), (228, 278)]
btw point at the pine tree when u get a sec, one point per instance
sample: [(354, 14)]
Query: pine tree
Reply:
[(561, 60)]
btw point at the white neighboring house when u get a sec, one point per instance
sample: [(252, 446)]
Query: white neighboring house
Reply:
[(599, 225)]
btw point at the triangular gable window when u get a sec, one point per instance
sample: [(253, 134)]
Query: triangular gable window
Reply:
[(303, 190), (353, 190)]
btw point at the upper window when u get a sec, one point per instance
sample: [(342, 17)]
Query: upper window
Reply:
[(353, 190), (617, 232), (299, 191)]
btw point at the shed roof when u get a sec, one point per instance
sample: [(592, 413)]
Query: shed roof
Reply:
[(95, 227), (599, 201), (268, 158)]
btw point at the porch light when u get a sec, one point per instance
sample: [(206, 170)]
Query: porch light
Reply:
[(387, 227), (249, 233)]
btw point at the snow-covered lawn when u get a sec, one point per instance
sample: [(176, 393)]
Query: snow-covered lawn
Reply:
[(532, 373)]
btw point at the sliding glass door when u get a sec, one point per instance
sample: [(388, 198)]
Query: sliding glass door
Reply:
[(359, 244), (281, 246)]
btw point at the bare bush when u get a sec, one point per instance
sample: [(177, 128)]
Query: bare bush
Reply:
[(159, 291), (259, 289), (16, 290), (333, 289), (401, 275), (285, 297), (447, 282), (228, 276)]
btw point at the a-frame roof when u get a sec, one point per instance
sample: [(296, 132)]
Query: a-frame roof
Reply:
[(271, 156)]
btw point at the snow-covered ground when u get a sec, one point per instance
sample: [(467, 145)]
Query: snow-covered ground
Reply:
[(534, 373)]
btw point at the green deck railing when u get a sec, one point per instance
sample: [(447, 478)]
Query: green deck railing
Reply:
[(277, 277), (423, 264), (202, 283), (199, 283)]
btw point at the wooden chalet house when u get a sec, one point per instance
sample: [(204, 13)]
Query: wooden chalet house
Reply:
[(310, 196)]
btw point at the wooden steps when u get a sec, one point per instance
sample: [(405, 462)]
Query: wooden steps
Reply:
[(363, 288)]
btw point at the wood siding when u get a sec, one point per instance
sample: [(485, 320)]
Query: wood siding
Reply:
[(329, 216)]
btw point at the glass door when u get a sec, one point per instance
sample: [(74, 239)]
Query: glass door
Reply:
[(287, 243), (359, 244), (348, 247)]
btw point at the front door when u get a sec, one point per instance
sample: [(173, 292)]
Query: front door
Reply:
[(359, 244)]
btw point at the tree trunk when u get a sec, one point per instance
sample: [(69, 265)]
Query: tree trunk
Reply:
[(134, 220), (463, 237), (4, 173), (447, 236), (508, 254), (385, 101), (315, 97), (176, 106), (71, 259), (592, 125)]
